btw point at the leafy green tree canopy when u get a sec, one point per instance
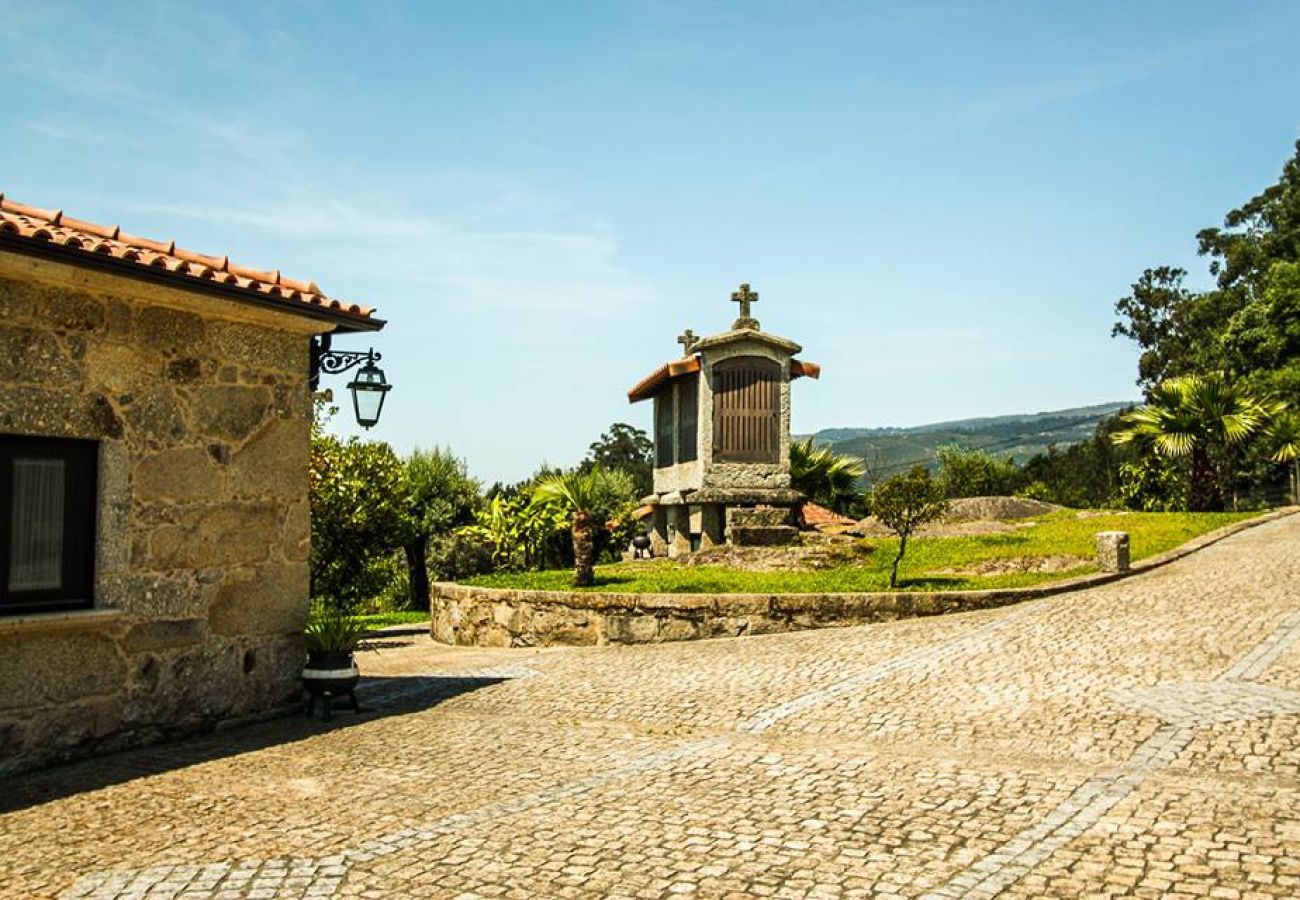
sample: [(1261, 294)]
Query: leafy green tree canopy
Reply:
[(903, 504), (357, 518), (974, 473), (626, 448), (1248, 325), (438, 495)]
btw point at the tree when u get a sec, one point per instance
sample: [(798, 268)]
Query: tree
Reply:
[(1248, 325), (903, 504), (1262, 340), (1085, 475), (438, 495), (590, 499), (974, 473), (826, 477), (357, 518), (1262, 231), (1202, 418), (627, 448), (1157, 316), (1283, 433)]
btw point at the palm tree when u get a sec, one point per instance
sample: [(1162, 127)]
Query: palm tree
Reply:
[(1200, 417), (825, 477), (1284, 437), (585, 496)]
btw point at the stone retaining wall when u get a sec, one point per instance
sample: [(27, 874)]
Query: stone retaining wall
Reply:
[(492, 617), (489, 617)]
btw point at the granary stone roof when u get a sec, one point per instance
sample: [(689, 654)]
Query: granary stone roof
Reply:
[(48, 232), (746, 334)]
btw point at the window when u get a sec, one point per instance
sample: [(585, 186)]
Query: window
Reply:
[(47, 524), (664, 429), (688, 414), (747, 410)]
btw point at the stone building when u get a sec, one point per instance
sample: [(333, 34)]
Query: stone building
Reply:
[(722, 438), (154, 527)]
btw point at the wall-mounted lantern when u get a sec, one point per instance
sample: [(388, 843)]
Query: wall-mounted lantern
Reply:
[(369, 387)]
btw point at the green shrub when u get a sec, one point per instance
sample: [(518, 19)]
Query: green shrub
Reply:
[(329, 630), (974, 473), (461, 554)]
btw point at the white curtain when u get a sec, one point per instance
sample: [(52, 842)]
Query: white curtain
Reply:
[(36, 535)]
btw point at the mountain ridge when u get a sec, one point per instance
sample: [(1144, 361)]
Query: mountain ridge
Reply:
[(890, 449)]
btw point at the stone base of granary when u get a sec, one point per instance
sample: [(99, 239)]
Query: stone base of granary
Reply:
[(761, 526), (762, 535), (686, 521)]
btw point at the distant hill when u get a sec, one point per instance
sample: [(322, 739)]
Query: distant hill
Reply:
[(890, 450)]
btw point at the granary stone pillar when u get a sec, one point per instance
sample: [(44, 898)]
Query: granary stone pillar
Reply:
[(679, 531), (659, 531), (712, 526)]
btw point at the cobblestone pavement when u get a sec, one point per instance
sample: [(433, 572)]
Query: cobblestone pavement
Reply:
[(1140, 739)]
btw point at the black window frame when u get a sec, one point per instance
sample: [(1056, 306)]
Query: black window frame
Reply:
[(688, 419), (80, 513), (665, 430)]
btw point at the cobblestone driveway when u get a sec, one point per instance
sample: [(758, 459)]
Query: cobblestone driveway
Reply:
[(1141, 739)]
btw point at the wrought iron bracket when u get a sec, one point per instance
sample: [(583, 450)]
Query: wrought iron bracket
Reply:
[(332, 362)]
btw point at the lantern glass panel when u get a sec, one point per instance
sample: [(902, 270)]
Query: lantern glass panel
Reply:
[(368, 392)]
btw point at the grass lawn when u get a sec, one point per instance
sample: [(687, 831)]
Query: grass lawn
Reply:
[(931, 563), (383, 620)]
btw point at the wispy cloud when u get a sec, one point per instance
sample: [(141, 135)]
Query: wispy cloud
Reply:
[(502, 267), (76, 132), (1029, 95)]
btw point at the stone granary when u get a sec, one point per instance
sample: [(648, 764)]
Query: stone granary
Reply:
[(155, 420), (722, 438)]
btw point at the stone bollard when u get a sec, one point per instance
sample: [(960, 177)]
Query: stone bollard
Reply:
[(1112, 551)]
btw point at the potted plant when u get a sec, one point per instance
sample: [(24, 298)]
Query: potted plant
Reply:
[(331, 637)]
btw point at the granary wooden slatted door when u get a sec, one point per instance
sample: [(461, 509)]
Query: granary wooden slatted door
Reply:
[(747, 410)]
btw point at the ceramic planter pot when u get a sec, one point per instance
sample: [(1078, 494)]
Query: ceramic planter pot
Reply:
[(330, 674)]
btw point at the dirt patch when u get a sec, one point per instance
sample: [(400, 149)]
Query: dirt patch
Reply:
[(1014, 565)]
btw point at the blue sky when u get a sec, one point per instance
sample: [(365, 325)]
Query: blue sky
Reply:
[(941, 201)]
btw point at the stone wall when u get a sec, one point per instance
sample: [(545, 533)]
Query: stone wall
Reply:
[(489, 617), (202, 413)]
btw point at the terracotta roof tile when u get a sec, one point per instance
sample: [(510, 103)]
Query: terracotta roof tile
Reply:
[(801, 369), (651, 384), (815, 515), (51, 226)]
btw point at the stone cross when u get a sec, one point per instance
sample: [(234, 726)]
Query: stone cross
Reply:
[(687, 339), (744, 296)]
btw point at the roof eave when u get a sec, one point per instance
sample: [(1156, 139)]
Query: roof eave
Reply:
[(344, 322), (661, 377)]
